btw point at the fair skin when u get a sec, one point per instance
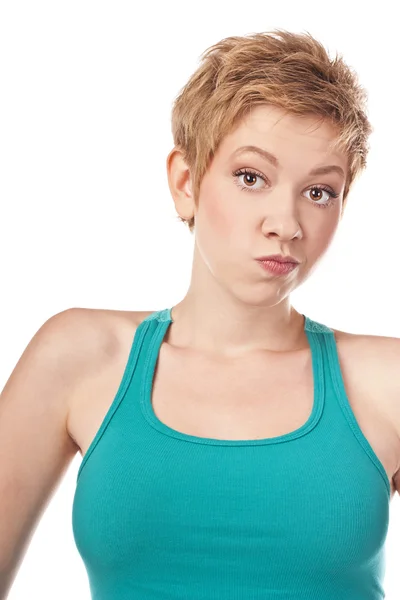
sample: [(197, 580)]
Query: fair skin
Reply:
[(233, 307), (64, 383)]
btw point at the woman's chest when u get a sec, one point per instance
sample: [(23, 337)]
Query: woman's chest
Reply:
[(242, 401), (248, 400)]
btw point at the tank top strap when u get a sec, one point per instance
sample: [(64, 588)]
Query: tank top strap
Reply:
[(336, 390), (330, 356), (324, 337), (316, 327), (161, 315), (321, 335)]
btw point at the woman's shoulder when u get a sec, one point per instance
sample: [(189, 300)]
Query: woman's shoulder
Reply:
[(95, 335), (372, 354), (100, 340), (104, 323), (370, 364)]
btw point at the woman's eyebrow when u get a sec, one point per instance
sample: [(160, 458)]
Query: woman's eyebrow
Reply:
[(274, 161)]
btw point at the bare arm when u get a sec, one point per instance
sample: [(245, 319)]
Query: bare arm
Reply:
[(35, 448)]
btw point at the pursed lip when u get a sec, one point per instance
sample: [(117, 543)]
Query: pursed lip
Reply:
[(280, 258)]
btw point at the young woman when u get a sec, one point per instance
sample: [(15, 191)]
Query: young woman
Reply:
[(232, 446)]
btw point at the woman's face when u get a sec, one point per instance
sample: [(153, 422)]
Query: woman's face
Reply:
[(275, 209)]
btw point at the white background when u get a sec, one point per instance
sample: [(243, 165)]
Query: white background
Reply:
[(87, 219)]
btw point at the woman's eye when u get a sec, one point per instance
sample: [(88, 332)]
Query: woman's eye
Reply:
[(248, 179), (320, 191)]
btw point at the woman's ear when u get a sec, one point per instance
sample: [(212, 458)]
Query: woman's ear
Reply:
[(180, 184)]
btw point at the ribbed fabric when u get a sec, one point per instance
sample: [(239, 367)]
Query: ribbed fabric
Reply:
[(162, 515)]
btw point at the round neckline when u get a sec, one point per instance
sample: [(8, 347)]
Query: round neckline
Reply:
[(164, 320)]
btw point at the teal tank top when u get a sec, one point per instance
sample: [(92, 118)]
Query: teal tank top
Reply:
[(161, 515)]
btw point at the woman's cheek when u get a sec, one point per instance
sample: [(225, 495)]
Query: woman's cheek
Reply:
[(219, 217)]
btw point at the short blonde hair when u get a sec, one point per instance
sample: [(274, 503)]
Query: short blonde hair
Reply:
[(292, 71)]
